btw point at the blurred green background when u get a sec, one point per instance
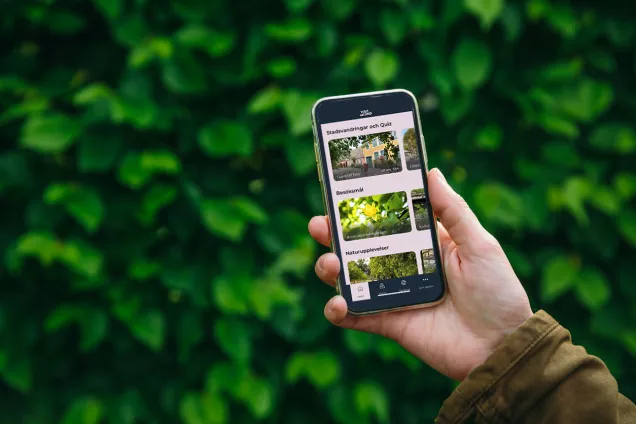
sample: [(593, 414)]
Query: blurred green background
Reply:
[(157, 175)]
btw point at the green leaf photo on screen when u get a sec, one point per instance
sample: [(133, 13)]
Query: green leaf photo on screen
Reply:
[(157, 175)]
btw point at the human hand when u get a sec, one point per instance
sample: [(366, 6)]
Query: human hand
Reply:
[(486, 300)]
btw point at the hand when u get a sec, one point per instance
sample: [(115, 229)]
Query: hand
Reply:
[(486, 301)]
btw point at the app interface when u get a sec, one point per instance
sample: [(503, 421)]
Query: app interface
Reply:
[(381, 211)]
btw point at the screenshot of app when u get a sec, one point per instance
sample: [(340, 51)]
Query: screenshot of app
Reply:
[(381, 209)]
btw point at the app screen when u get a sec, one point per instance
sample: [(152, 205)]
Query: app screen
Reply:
[(382, 213)]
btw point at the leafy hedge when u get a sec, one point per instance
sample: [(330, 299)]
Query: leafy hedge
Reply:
[(157, 175)]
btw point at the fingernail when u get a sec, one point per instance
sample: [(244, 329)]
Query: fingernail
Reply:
[(320, 263), (329, 309)]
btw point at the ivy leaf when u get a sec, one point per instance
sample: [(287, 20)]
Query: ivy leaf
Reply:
[(110, 8), (559, 275), (266, 100), (471, 62), (321, 368), (182, 74), (83, 203), (592, 289), (370, 398), (228, 296), (300, 155), (627, 226), (393, 25), (488, 11), (214, 43), (614, 137), (219, 217), (50, 133), (85, 410), (98, 153), (225, 138), (207, 408), (18, 375), (149, 328), (234, 339), (295, 30), (297, 109), (381, 67)]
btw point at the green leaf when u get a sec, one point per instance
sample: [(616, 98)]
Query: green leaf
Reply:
[(214, 43), (137, 169), (339, 9), (295, 30), (94, 328), (206, 408), (62, 316), (614, 137), (98, 154), (17, 374), (110, 8), (300, 155), (42, 245), (81, 258), (149, 329), (266, 100), (488, 11), (297, 109), (321, 368), (158, 197), (500, 204), (282, 67), (370, 398), (85, 410), (298, 5), (358, 342), (471, 62), (83, 203), (627, 226), (183, 74), (50, 133), (625, 185), (234, 339), (227, 295), (226, 138), (220, 218), (512, 22), (249, 209), (393, 25), (592, 288), (489, 138), (381, 67), (93, 93), (559, 275)]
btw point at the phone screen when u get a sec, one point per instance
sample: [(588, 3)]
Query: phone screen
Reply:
[(381, 219)]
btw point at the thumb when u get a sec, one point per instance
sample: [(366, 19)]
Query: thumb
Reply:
[(461, 223)]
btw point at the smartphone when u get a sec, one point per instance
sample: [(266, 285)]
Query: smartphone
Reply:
[(372, 167)]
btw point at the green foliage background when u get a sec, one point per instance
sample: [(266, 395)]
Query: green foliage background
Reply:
[(157, 175)]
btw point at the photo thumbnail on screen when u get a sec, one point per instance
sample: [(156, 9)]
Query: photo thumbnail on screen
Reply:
[(374, 216), (428, 261), (409, 141), (385, 267), (420, 209), (365, 156)]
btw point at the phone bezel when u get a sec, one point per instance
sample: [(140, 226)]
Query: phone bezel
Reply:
[(380, 103)]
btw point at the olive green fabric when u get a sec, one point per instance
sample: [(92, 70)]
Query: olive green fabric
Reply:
[(538, 376)]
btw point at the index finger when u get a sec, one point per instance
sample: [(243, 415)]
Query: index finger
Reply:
[(319, 230)]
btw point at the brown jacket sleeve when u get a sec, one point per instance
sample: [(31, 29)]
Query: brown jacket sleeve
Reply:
[(535, 376)]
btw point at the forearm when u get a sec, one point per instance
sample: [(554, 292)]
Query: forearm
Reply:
[(537, 375)]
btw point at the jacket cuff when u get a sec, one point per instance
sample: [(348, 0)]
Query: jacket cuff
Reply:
[(485, 391)]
